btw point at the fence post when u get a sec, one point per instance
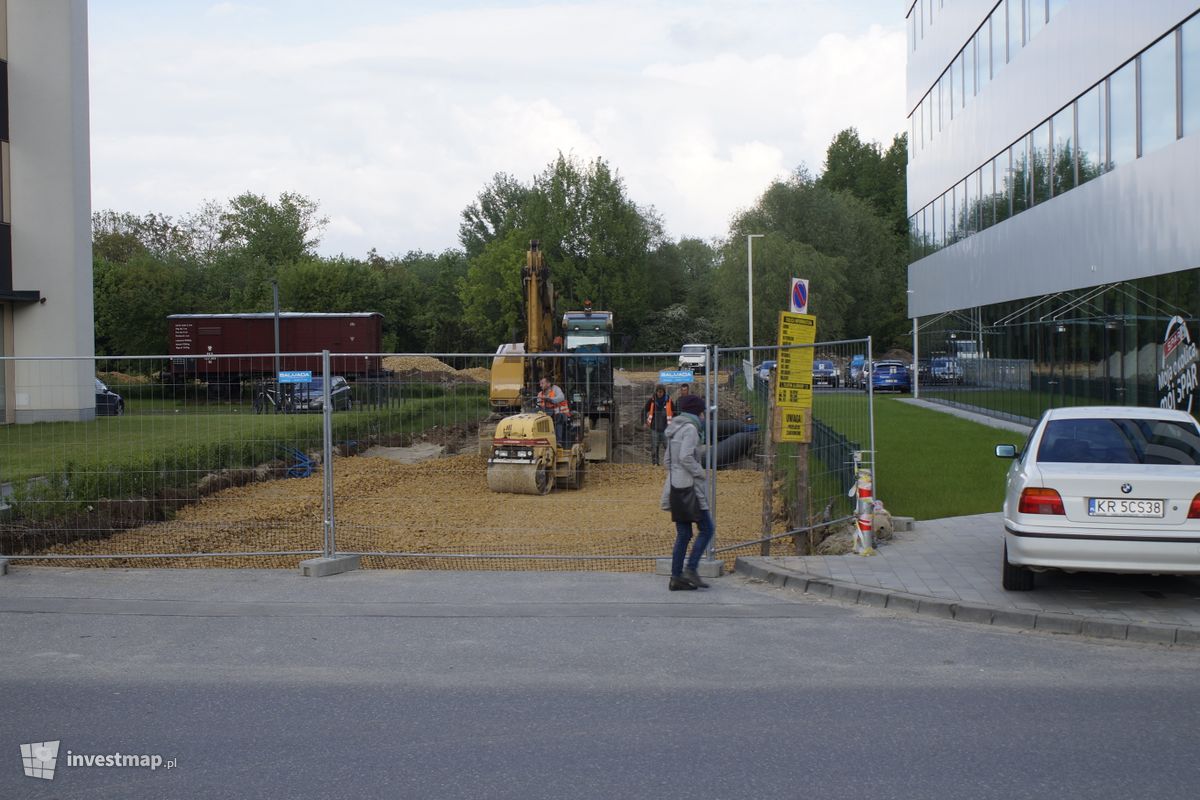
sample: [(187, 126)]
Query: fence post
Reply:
[(711, 380), (330, 543), (768, 492)]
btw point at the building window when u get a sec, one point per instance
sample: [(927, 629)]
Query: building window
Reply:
[(987, 196), (1190, 73), (997, 39), (1122, 116), (1035, 18), (1002, 168), (1013, 27), (1090, 147), (1039, 162), (1062, 159), (1019, 187), (1157, 77)]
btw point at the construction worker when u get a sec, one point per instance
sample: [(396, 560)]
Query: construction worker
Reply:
[(552, 401), (658, 410)]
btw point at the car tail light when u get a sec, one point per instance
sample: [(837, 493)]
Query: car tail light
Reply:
[(1042, 501), (1194, 510)]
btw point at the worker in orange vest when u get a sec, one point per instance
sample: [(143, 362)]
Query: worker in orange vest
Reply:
[(553, 401), (658, 411)]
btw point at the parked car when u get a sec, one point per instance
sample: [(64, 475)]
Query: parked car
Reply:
[(891, 376), (945, 370), (763, 370), (856, 372), (1105, 489), (694, 357), (108, 402), (825, 373), (310, 396)]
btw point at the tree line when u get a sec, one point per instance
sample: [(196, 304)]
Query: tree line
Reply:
[(844, 229)]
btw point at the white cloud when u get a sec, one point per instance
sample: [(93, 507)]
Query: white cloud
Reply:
[(394, 122)]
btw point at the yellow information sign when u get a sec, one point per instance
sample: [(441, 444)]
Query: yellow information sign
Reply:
[(793, 387)]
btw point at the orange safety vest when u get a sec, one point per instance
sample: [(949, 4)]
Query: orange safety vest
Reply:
[(547, 404), (668, 407)]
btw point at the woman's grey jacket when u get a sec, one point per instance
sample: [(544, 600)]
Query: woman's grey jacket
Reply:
[(683, 459)]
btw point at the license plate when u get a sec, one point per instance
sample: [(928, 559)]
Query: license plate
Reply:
[(1122, 507)]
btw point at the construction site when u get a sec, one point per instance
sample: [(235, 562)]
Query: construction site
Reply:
[(538, 456)]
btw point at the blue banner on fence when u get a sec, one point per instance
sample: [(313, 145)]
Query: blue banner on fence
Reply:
[(295, 376), (674, 376)]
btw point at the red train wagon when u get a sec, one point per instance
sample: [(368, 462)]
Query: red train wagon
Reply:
[(206, 336)]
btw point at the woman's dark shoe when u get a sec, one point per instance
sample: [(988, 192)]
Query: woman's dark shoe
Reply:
[(691, 576), (681, 584)]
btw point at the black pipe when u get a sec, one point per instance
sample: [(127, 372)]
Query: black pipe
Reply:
[(732, 449)]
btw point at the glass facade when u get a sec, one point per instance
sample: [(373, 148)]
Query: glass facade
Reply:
[(1131, 343), (1132, 112), (1009, 27)]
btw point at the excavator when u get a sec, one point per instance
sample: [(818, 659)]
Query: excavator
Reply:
[(525, 455)]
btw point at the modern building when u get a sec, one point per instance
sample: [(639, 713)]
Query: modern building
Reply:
[(1054, 201), (45, 213)]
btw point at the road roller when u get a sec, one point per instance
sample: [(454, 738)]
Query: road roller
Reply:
[(527, 458)]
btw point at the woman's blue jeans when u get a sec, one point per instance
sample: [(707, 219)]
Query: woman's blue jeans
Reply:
[(683, 534)]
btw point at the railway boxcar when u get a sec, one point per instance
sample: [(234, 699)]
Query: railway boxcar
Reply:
[(196, 341)]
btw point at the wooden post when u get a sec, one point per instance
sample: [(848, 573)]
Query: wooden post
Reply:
[(768, 492)]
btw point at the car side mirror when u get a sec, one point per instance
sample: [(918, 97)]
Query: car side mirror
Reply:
[(1006, 451)]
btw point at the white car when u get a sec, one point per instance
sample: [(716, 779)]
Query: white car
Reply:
[(1103, 489), (694, 357)]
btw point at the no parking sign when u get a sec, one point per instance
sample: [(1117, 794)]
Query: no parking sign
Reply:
[(799, 299)]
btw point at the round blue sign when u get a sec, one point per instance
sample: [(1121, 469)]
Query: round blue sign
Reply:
[(799, 295)]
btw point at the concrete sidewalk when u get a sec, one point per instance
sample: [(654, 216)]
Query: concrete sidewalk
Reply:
[(950, 568)]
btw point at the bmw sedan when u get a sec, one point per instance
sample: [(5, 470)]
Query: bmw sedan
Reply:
[(891, 376), (824, 373), (1103, 489)]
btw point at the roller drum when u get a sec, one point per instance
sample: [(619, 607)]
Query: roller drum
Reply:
[(518, 478)]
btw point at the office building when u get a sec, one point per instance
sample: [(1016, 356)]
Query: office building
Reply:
[(1054, 201)]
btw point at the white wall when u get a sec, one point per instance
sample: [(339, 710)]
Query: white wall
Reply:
[(51, 207)]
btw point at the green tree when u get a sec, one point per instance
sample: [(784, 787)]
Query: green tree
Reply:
[(272, 233), (595, 239), (132, 301)]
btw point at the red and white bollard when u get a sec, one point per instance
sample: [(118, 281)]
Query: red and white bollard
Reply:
[(864, 533)]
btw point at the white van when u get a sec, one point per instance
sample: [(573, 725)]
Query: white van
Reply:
[(694, 357)]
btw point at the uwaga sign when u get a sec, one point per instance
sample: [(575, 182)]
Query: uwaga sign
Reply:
[(1177, 374)]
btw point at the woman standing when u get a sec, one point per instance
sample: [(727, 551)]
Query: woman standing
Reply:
[(684, 493)]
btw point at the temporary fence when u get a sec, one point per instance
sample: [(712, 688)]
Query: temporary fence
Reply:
[(212, 461), (807, 478)]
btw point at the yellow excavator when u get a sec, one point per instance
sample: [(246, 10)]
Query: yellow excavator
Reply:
[(525, 455)]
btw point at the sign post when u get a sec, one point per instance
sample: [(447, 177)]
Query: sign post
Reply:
[(792, 420)]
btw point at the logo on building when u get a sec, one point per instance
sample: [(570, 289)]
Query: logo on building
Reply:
[(1177, 379), (39, 759)]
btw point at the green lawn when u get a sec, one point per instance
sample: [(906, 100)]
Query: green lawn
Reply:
[(932, 465), (203, 438)]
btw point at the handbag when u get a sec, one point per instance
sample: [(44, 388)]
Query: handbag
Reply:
[(685, 505)]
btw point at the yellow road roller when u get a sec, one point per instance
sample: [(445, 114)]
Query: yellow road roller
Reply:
[(527, 458)]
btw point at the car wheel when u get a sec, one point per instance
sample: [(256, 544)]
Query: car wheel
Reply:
[(1016, 578), (120, 412)]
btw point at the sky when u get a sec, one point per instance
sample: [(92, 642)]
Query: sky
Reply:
[(394, 114)]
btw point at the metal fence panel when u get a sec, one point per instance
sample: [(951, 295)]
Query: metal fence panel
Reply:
[(151, 460), (803, 488)]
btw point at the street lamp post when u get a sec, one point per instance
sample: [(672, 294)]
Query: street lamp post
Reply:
[(750, 237)]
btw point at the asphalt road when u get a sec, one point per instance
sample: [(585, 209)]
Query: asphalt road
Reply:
[(509, 685)]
